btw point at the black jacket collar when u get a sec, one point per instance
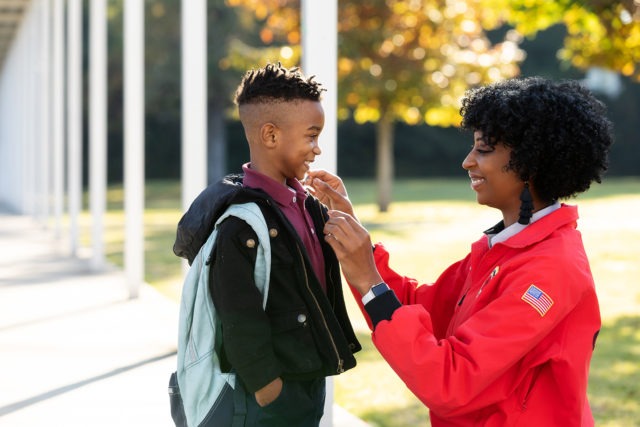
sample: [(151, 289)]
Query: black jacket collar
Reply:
[(197, 223)]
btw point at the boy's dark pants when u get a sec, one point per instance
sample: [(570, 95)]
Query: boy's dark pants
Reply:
[(300, 404)]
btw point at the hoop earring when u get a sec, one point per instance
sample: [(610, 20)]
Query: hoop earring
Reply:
[(526, 205)]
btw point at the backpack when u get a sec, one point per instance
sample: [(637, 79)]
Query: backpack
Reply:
[(198, 390)]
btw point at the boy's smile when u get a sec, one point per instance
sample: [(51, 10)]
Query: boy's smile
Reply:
[(296, 140)]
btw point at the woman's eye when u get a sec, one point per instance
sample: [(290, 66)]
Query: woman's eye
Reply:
[(483, 151), (483, 148)]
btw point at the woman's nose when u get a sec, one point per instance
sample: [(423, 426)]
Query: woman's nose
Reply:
[(468, 161)]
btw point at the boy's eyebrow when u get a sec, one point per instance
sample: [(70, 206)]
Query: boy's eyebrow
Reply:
[(314, 127)]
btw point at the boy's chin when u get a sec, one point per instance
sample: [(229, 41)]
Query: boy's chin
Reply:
[(297, 177)]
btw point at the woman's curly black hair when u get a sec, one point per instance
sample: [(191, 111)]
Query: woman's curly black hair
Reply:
[(558, 132), (276, 83)]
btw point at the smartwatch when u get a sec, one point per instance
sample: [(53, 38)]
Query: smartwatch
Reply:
[(375, 291)]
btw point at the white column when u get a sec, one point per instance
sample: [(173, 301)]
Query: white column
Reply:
[(8, 153), (44, 139), (14, 97), (319, 21), (97, 127), (21, 49), (57, 107), (74, 120), (134, 144), (32, 115), (15, 143), (194, 99), (29, 169)]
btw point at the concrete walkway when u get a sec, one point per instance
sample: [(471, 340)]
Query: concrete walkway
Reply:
[(74, 349)]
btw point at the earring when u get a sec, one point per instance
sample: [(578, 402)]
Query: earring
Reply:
[(526, 205)]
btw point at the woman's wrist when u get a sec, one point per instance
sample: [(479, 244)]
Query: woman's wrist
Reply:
[(366, 285), (375, 291)]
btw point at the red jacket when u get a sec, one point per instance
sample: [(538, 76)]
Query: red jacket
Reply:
[(504, 337)]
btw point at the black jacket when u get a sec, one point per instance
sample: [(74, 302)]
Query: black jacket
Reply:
[(304, 332)]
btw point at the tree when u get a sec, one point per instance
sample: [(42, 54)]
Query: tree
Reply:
[(603, 33), (412, 61), (236, 41), (240, 38), (407, 61)]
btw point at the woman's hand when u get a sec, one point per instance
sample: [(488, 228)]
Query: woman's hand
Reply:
[(330, 190), (352, 245)]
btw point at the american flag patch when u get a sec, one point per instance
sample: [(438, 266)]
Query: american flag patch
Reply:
[(537, 299)]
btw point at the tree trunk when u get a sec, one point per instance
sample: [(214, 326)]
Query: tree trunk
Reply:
[(384, 161), (216, 144)]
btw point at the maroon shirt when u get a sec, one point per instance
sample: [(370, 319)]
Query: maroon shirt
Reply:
[(290, 199)]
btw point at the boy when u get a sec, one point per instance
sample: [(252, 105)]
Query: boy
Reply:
[(283, 353)]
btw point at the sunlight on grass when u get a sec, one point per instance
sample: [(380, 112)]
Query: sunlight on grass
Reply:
[(372, 390), (426, 237), (430, 225), (615, 373)]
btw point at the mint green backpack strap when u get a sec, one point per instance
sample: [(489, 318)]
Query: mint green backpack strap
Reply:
[(252, 215), (199, 376)]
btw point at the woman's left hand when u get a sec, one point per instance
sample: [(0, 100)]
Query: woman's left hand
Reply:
[(352, 245)]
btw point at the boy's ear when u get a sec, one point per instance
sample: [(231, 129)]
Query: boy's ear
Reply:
[(268, 134)]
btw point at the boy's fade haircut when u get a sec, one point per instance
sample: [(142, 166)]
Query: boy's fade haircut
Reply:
[(275, 83)]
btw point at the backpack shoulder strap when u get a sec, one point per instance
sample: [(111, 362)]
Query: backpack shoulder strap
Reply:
[(252, 215), (199, 376)]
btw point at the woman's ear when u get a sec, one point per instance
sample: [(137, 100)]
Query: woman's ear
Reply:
[(268, 134)]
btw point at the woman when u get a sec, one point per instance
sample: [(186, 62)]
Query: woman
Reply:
[(503, 337)]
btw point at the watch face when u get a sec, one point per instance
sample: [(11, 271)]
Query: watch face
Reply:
[(375, 291), (379, 289)]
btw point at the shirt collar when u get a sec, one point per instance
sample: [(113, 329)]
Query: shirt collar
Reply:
[(499, 233), (283, 195)]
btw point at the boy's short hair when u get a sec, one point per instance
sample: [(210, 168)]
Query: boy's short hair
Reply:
[(275, 83)]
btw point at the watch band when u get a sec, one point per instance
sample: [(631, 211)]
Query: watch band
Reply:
[(375, 290)]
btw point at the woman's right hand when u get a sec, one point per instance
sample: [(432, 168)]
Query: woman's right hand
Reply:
[(330, 190)]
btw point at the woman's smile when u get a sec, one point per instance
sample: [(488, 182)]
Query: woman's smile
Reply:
[(476, 181)]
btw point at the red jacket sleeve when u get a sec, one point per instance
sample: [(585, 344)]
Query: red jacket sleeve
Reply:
[(485, 357), (409, 291)]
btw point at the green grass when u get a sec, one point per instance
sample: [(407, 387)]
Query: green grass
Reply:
[(431, 224)]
